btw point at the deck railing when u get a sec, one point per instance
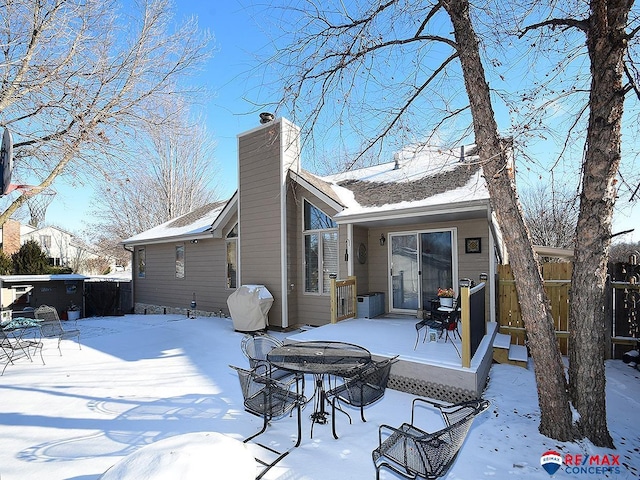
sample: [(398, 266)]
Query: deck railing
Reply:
[(472, 316), (343, 299)]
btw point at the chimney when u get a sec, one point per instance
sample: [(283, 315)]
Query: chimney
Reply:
[(266, 117), (396, 159), (10, 237)]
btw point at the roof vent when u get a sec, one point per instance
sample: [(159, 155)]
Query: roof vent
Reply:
[(462, 153), (396, 159), (266, 117)]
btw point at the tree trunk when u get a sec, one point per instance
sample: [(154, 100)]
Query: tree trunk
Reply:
[(556, 420), (606, 43)]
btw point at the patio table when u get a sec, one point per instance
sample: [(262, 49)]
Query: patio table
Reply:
[(320, 358)]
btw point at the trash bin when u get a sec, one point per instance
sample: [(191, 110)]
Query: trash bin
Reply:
[(249, 306)]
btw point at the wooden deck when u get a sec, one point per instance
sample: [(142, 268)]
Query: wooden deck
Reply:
[(433, 369)]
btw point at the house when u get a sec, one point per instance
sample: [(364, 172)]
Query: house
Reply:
[(62, 248), (403, 228)]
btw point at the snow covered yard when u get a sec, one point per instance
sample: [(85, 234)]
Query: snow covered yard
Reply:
[(141, 379)]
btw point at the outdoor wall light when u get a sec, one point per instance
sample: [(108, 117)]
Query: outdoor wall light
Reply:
[(382, 240), (194, 240)]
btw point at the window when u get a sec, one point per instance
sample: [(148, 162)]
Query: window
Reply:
[(45, 241), (320, 249), (142, 260), (179, 261), (232, 258)]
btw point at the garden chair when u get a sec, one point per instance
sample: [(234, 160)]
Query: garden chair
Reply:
[(364, 388), (256, 348), (445, 322), (51, 326), (269, 398), (13, 347), (414, 453)]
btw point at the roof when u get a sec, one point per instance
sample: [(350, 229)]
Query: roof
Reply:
[(41, 278), (192, 224), (418, 177)]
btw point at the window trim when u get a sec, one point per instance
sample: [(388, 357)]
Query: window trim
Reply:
[(323, 290), (181, 275), (141, 262), (232, 236)]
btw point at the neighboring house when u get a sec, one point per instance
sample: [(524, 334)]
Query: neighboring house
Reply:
[(62, 248), (404, 228)]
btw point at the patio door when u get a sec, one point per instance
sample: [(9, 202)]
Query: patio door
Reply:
[(421, 262)]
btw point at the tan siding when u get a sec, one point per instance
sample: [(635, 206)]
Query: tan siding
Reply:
[(204, 275), (260, 213)]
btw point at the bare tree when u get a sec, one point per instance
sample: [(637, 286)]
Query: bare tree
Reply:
[(172, 173), (80, 77), (551, 215), (403, 54)]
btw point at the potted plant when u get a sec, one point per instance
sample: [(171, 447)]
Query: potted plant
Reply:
[(73, 312), (445, 295)]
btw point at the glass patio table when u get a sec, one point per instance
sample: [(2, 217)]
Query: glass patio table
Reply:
[(320, 358)]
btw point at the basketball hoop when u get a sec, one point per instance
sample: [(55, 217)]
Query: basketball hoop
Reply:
[(6, 161), (37, 205)]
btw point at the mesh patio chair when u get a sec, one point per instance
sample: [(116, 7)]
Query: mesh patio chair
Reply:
[(256, 348), (269, 398), (446, 322), (14, 347), (364, 388), (51, 326), (414, 453)]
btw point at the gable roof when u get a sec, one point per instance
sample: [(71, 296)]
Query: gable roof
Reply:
[(191, 225), (418, 178)]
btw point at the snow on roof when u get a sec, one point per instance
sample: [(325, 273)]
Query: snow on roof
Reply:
[(193, 223), (418, 177)]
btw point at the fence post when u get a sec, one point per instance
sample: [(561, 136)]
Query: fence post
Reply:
[(465, 318), (334, 299)]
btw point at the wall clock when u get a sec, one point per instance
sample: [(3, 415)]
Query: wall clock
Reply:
[(362, 253)]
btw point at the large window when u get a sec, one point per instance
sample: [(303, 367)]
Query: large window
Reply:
[(320, 249), (142, 260), (179, 261), (232, 258)]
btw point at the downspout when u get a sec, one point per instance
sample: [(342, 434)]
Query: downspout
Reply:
[(133, 282)]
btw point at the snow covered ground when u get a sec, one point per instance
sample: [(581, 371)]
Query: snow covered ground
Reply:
[(142, 379)]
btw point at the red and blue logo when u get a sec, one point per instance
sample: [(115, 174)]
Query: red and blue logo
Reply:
[(551, 461), (576, 464)]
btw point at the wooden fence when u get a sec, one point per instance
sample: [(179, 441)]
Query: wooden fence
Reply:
[(557, 282), (622, 302)]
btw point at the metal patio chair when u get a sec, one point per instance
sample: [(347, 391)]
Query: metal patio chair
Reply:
[(256, 347), (269, 398), (14, 347), (51, 326), (364, 388), (414, 453)]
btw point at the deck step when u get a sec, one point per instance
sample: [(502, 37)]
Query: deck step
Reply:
[(502, 340), (505, 352)]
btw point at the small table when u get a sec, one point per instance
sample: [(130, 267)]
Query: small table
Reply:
[(320, 358)]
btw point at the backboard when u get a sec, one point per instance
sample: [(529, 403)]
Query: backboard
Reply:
[(6, 161)]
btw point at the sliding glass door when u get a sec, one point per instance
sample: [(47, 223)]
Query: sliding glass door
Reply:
[(421, 262)]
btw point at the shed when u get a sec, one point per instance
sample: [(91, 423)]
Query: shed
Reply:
[(60, 291)]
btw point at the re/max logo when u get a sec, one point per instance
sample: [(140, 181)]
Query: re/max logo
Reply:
[(597, 460)]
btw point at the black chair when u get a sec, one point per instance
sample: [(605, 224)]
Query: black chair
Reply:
[(414, 453), (362, 389), (269, 398), (256, 347), (444, 321)]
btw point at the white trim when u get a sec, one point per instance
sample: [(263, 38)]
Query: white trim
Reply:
[(350, 247), (283, 233), (317, 192), (454, 263), (383, 215), (492, 276)]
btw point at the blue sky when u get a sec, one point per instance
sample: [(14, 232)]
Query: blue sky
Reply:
[(239, 40)]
